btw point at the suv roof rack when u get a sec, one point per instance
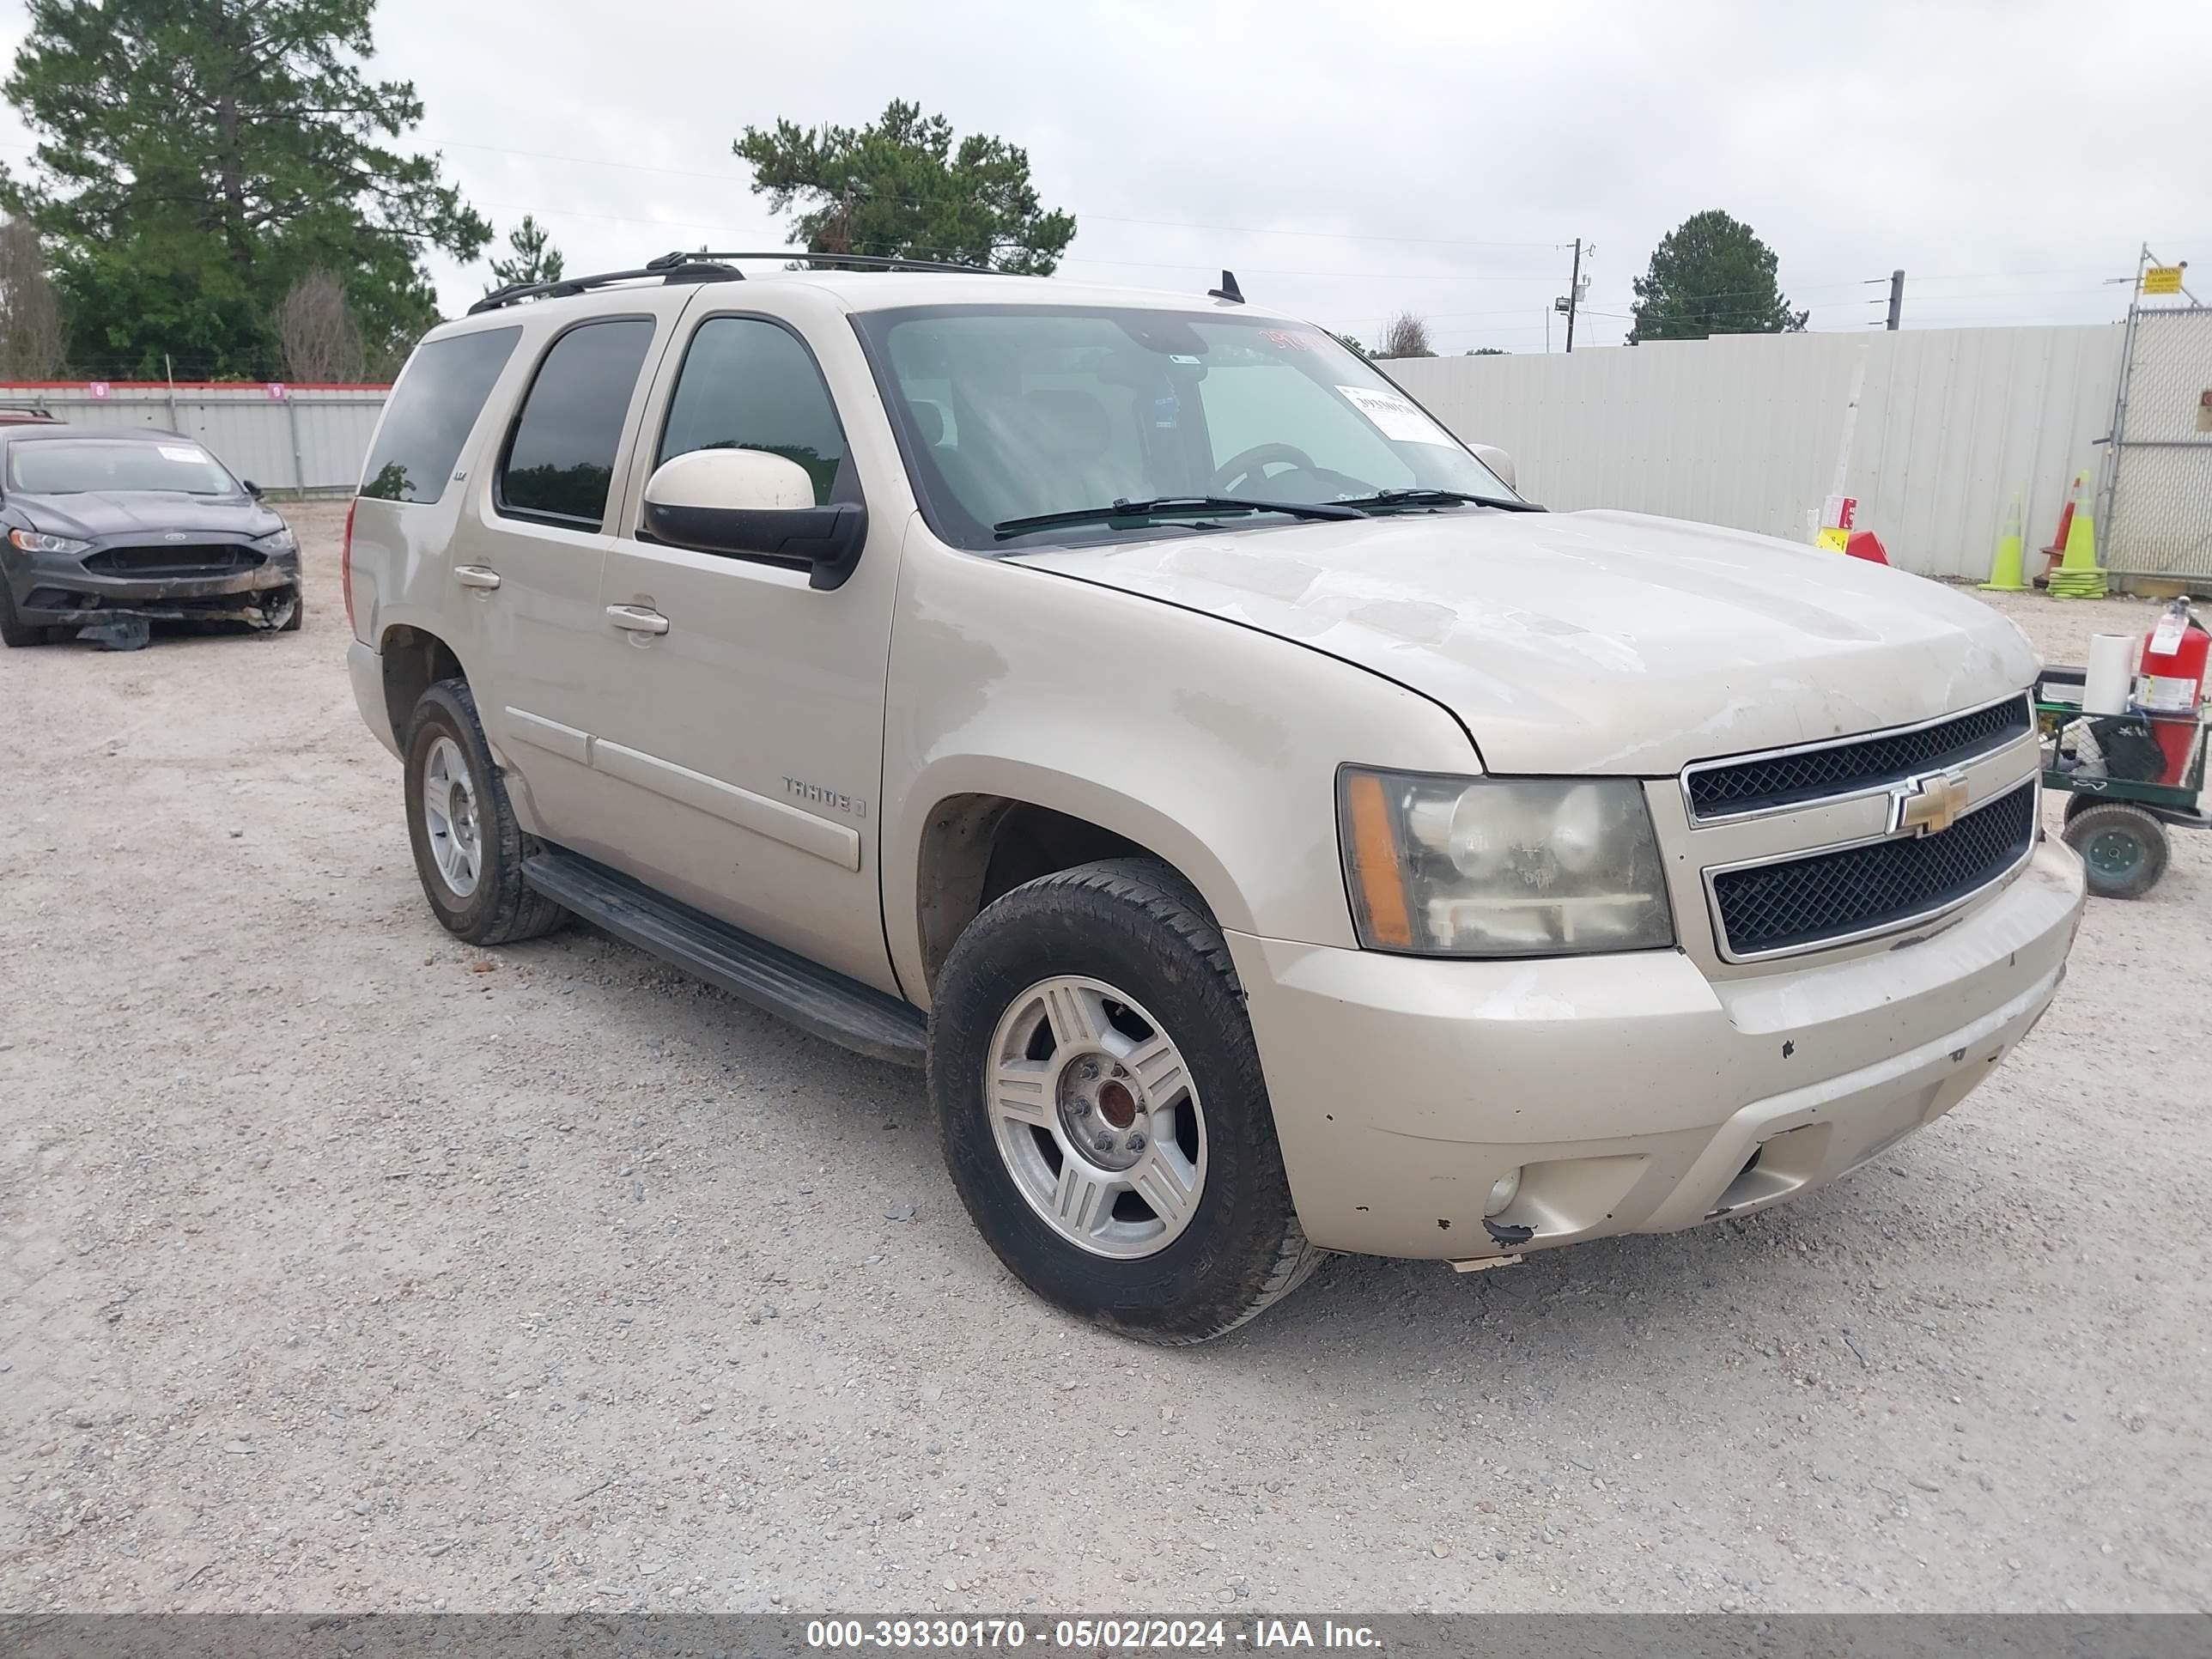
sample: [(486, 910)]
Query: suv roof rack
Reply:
[(684, 266)]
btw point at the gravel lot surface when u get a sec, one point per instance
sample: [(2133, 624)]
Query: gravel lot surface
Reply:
[(348, 1268)]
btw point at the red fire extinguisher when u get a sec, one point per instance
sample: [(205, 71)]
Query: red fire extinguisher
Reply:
[(2174, 656)]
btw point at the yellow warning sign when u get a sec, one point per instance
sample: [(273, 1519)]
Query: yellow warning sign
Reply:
[(2162, 279)]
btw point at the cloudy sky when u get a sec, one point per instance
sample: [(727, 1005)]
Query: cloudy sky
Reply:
[(1351, 161)]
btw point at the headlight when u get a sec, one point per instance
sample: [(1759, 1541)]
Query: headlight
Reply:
[(37, 541), (276, 541), (1501, 866)]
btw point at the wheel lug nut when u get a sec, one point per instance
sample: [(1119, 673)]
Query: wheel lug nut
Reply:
[(1104, 1143), (1083, 1109), (1136, 1142)]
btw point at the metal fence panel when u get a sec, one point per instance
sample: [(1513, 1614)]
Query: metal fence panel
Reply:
[(309, 439), (1744, 429), (2161, 485)]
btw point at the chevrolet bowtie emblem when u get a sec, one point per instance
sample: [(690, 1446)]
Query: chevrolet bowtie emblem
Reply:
[(1928, 805)]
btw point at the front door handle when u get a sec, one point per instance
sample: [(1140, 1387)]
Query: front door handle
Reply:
[(636, 619), (476, 575)]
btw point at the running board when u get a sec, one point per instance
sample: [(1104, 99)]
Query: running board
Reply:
[(814, 999)]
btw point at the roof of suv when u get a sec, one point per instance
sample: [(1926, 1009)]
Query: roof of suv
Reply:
[(880, 290)]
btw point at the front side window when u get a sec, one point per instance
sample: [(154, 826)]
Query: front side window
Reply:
[(77, 466), (746, 384), (433, 410), (1016, 412), (560, 465)]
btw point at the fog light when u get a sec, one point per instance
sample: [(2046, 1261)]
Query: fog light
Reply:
[(1503, 1192)]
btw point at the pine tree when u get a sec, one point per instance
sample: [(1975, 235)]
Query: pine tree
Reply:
[(532, 258), (197, 158)]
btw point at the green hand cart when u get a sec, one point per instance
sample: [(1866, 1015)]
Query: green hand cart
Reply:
[(2119, 825)]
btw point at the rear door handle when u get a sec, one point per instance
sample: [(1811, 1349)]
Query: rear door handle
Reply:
[(476, 575), (636, 619)]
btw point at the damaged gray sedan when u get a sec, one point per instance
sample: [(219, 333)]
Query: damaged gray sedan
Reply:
[(108, 531)]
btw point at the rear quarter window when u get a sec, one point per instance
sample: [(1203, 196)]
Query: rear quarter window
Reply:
[(440, 395)]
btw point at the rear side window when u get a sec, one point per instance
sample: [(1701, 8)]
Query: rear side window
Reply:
[(749, 384), (561, 461), (435, 404)]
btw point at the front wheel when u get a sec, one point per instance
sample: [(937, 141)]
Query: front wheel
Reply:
[(1103, 1113), (13, 630)]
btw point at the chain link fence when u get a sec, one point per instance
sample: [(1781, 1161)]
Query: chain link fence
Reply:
[(2158, 517)]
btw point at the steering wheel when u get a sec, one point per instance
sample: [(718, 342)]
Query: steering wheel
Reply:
[(1247, 464)]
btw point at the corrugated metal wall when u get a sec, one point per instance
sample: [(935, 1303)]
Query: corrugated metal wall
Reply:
[(310, 439), (1744, 429)]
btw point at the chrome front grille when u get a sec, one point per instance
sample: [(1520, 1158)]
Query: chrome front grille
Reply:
[(1785, 778), (1817, 847), (1789, 904)]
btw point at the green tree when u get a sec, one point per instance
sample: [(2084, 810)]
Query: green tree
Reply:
[(531, 257), (197, 158), (1711, 275), (901, 190), (1350, 343), (1485, 352)]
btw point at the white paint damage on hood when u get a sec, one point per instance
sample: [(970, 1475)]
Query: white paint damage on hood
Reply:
[(1594, 642)]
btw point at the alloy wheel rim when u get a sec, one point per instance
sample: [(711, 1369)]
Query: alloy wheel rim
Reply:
[(450, 817), (1097, 1118)]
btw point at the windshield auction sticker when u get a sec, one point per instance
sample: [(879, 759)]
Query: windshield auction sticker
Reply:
[(1394, 417)]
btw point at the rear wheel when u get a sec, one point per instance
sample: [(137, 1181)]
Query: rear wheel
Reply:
[(2122, 848), (1103, 1113), (468, 848)]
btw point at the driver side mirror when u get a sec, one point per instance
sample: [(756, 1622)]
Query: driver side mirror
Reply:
[(747, 503), (1499, 462), (251, 488)]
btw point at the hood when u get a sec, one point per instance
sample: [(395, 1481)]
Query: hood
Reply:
[(1594, 642), (100, 513)]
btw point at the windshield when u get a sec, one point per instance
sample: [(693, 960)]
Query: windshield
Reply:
[(73, 466), (1011, 412)]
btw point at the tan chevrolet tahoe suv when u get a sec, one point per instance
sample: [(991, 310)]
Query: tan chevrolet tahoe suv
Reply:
[(1273, 834)]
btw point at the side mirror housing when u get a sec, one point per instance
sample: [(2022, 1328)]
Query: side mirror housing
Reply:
[(747, 503), (251, 488), (1499, 462)]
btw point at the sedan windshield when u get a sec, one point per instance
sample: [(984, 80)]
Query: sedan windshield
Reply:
[(1012, 414), (77, 466)]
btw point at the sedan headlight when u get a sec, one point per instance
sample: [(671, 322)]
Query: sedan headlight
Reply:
[(37, 541), (1501, 866), (276, 541)]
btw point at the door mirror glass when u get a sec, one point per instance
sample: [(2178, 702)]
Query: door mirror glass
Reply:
[(748, 503), (251, 488)]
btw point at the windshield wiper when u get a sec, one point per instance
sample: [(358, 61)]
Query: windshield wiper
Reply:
[(1168, 507), (1417, 496)]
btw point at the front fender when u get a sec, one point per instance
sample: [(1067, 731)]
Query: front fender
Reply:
[(1213, 745)]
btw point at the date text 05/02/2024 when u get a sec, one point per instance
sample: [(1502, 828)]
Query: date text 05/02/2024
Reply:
[(1101, 1636)]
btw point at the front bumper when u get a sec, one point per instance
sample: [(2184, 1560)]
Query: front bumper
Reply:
[(1634, 1094), (55, 590)]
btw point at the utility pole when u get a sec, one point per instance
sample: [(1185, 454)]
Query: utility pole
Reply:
[(1574, 294), (1896, 300)]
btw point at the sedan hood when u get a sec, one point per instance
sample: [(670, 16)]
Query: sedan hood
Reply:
[(95, 514), (1594, 642)]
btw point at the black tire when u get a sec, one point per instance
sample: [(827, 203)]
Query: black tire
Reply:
[(13, 630), (1135, 925), (501, 909), (2077, 803), (2122, 848), (298, 619)]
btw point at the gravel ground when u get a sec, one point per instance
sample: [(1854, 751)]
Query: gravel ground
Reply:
[(348, 1267)]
